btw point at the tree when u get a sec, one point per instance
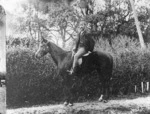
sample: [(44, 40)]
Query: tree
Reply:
[(61, 20), (137, 26)]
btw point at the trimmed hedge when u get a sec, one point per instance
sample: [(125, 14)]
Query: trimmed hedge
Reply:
[(131, 64), (33, 82)]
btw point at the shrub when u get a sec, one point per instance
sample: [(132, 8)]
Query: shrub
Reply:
[(131, 63), (31, 81)]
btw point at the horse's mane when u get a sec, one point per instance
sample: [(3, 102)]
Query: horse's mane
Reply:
[(59, 53), (58, 49)]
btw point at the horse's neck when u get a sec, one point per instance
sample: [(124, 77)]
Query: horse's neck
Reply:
[(57, 53)]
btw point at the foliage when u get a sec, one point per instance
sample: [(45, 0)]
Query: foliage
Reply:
[(29, 79), (25, 42), (60, 21), (131, 65)]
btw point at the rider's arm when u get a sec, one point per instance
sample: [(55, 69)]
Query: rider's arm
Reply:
[(77, 43)]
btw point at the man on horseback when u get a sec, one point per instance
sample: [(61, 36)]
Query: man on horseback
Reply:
[(85, 43)]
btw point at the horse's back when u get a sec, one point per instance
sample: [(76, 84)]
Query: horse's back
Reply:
[(99, 59), (102, 57), (105, 57), (103, 60)]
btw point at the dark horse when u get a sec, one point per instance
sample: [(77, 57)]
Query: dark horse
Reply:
[(95, 61)]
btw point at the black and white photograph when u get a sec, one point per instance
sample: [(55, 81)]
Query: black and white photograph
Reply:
[(74, 56)]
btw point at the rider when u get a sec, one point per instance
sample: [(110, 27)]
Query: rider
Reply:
[(85, 43)]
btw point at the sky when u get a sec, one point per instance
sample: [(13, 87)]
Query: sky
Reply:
[(11, 5), (2, 47)]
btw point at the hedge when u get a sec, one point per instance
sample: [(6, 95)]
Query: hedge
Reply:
[(32, 82)]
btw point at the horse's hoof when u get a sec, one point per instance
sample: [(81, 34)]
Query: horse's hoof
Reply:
[(105, 101), (100, 100), (65, 103), (70, 104)]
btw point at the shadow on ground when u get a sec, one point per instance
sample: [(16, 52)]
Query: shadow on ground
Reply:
[(139, 105)]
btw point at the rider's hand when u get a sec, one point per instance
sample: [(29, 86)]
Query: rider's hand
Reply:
[(73, 52)]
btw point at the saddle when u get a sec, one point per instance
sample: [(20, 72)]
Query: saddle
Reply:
[(80, 60)]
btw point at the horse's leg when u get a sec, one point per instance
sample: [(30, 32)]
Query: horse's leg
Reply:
[(103, 86), (108, 83), (105, 90), (102, 91), (74, 91), (69, 99), (100, 86), (72, 96), (65, 92), (69, 94), (108, 88)]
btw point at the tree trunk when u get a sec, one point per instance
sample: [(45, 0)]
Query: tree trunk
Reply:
[(2, 40), (63, 44), (63, 34), (137, 26), (63, 41)]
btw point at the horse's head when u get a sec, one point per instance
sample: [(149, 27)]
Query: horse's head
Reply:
[(43, 48)]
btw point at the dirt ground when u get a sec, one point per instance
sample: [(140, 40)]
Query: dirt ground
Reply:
[(139, 105)]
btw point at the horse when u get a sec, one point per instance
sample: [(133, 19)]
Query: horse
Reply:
[(97, 61)]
